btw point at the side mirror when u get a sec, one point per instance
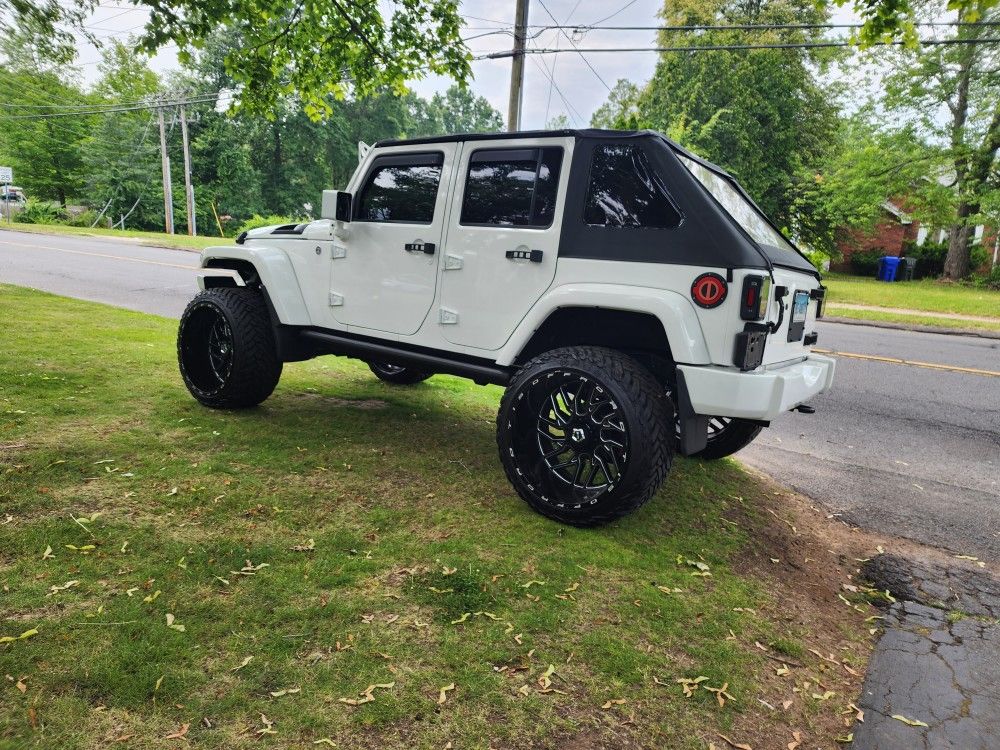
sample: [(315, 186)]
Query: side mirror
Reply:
[(336, 205)]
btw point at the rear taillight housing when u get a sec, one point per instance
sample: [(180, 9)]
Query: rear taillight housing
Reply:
[(755, 297)]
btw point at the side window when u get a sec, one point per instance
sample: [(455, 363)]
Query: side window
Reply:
[(512, 187), (401, 188), (625, 191)]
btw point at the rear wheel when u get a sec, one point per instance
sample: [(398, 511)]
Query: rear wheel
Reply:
[(226, 350), (727, 435), (585, 434), (397, 374)]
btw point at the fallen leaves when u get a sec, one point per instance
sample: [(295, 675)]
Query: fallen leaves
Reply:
[(796, 741), (690, 685), (720, 694), (53, 590), (179, 734), (443, 693), (544, 680), (613, 702), (309, 546), (174, 625), (910, 722), (242, 664), (368, 694), (23, 637), (737, 745), (287, 691)]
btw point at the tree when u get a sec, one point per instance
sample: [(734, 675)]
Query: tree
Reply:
[(760, 114), (620, 108), (952, 93), (45, 151), (458, 110), (47, 25)]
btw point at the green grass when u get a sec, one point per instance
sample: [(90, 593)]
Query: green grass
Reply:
[(926, 295), (920, 320), (159, 239), (409, 525)]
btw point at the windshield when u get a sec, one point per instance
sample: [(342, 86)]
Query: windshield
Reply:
[(742, 211)]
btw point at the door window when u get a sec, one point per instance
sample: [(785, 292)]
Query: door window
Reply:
[(512, 187), (401, 189), (625, 191)]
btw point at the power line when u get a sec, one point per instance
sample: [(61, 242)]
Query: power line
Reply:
[(201, 99), (751, 26), (728, 47), (570, 40), (622, 9), (570, 109)]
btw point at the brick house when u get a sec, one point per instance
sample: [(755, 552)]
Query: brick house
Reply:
[(895, 230)]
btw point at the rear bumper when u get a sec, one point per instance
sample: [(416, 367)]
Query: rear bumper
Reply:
[(762, 394)]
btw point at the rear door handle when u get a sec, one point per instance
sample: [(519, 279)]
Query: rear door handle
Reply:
[(427, 248), (535, 256)]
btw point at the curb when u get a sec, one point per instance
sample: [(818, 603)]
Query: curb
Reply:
[(912, 327)]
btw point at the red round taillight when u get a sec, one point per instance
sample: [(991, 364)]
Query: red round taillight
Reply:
[(709, 290)]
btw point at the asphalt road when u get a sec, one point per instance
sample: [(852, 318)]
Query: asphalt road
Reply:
[(896, 448)]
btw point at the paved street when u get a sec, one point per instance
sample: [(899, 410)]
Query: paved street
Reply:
[(897, 448)]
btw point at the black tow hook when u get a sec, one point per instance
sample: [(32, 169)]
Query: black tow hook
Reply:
[(805, 409)]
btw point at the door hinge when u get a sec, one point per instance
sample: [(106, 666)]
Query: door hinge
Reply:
[(336, 300), (447, 317), (452, 262)]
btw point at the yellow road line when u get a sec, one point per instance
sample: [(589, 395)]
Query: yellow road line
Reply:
[(102, 255), (910, 362)]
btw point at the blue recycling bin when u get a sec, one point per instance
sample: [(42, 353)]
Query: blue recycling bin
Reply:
[(887, 266)]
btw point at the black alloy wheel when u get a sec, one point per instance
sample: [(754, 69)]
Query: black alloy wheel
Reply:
[(226, 350), (584, 434)]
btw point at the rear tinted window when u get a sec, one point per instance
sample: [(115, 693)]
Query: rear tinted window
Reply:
[(512, 187), (401, 189), (624, 191)]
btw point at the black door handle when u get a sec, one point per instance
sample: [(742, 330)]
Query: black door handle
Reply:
[(419, 247), (535, 256)]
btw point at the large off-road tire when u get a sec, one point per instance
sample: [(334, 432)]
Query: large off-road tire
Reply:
[(226, 349), (585, 434), (726, 435), (396, 374)]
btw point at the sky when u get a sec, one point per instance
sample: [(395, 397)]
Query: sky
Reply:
[(568, 83)]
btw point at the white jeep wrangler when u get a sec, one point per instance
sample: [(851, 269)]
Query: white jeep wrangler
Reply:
[(630, 296)]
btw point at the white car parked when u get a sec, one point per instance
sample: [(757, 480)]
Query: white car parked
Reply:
[(630, 296)]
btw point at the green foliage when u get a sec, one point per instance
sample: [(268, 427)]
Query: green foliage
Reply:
[(458, 110), (991, 280), (865, 262), (759, 114), (819, 259), (256, 222), (41, 212), (318, 50)]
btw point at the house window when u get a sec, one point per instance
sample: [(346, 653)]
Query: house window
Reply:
[(626, 192), (401, 188), (977, 237), (512, 187)]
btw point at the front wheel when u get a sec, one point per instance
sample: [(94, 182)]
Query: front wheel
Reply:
[(226, 349), (585, 434), (397, 374)]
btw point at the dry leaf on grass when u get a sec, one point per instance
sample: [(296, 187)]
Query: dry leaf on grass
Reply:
[(544, 679), (179, 734), (174, 625), (23, 637), (268, 727), (443, 694), (721, 694), (325, 741), (613, 702), (446, 571), (846, 739), (796, 741), (688, 685), (242, 664), (463, 618), (309, 546), (47, 554), (737, 745), (56, 589), (287, 691)]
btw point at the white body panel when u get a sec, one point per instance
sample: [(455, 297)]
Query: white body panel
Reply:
[(487, 293)]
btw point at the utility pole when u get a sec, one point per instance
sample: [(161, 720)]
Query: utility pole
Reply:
[(188, 190), (168, 196), (517, 67)]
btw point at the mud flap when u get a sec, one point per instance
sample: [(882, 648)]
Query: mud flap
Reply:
[(693, 427)]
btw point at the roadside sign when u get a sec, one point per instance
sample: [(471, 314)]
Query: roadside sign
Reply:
[(6, 175)]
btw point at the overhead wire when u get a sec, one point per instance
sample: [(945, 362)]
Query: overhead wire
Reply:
[(577, 49)]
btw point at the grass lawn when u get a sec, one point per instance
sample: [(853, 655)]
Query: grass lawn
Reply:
[(920, 320), (926, 295), (241, 579), (159, 239)]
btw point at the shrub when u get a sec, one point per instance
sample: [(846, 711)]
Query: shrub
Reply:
[(979, 257), (865, 262), (930, 259), (83, 218), (990, 280), (41, 212), (256, 221)]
